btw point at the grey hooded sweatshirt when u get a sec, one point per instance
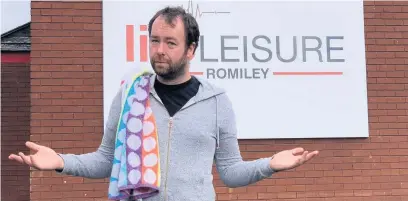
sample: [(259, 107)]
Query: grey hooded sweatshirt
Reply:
[(202, 132)]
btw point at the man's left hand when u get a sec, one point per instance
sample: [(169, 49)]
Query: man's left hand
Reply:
[(289, 159)]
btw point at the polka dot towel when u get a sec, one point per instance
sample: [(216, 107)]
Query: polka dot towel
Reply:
[(135, 172)]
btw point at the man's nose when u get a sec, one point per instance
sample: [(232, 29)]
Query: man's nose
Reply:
[(160, 49)]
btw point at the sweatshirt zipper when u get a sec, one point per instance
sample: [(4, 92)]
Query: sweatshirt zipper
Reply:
[(167, 157)]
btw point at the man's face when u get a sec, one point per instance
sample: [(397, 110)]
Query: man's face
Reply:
[(168, 54)]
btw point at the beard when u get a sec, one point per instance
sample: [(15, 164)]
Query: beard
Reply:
[(167, 69)]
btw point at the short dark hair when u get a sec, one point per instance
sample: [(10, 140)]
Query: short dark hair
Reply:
[(191, 29)]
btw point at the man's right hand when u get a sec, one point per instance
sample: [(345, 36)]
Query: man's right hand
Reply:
[(43, 158)]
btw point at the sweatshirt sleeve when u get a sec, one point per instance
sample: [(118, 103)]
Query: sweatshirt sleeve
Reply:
[(233, 171), (98, 164)]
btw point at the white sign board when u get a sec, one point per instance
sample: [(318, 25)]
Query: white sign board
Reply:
[(293, 69)]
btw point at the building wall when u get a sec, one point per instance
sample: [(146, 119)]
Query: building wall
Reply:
[(15, 124), (66, 91), (66, 106)]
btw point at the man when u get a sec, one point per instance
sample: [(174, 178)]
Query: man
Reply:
[(195, 126)]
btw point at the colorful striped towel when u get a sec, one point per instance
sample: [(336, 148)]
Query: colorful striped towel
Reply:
[(136, 165)]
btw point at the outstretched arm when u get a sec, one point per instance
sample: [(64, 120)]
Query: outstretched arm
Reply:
[(97, 164), (233, 171)]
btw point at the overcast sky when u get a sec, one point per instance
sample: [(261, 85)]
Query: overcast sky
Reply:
[(14, 13)]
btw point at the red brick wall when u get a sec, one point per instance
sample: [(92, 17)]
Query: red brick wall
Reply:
[(15, 129), (66, 91), (67, 113)]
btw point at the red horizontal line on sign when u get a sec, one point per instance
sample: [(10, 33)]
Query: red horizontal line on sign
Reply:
[(196, 73), (307, 73)]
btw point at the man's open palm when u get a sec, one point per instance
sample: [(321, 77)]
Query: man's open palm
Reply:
[(43, 158), (289, 159)]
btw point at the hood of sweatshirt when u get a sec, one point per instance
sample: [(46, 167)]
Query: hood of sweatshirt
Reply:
[(206, 91)]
